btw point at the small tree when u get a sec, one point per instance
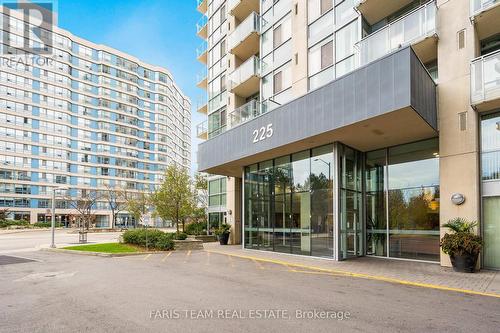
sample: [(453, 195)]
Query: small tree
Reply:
[(174, 200), (137, 204), (201, 187), (3, 214), (85, 205), (116, 201)]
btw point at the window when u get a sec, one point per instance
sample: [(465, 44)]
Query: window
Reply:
[(327, 55), (277, 38), (223, 47), (345, 40), (278, 84), (326, 5), (461, 39)]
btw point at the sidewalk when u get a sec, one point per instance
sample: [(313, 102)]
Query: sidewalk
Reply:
[(485, 282)]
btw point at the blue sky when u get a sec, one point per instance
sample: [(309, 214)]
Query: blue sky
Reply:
[(160, 32)]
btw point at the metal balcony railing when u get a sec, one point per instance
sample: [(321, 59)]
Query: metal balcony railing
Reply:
[(485, 78), (251, 67), (250, 25), (479, 6), (414, 26)]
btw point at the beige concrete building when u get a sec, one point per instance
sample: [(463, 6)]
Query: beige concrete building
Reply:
[(348, 128)]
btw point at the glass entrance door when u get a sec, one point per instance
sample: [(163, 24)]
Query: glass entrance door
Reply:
[(351, 230)]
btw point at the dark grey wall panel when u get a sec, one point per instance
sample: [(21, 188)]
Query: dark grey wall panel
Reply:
[(386, 85)]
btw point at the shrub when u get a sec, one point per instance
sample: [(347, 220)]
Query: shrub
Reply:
[(151, 238), (223, 229), (196, 228), (11, 223), (462, 241), (43, 225), (181, 236)]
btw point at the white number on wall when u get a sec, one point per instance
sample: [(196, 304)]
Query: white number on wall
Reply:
[(262, 133)]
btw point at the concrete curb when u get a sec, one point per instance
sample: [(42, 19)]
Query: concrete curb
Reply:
[(99, 254)]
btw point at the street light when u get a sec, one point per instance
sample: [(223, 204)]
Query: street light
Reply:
[(53, 221), (329, 164)]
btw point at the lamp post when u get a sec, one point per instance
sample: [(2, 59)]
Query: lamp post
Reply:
[(329, 164), (53, 220)]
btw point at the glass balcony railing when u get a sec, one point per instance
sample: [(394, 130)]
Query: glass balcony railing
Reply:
[(415, 25), (244, 72), (250, 25), (201, 49), (244, 113), (202, 130), (201, 24), (479, 6), (202, 5), (202, 76), (485, 78)]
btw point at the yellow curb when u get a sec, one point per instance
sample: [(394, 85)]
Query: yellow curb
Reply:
[(359, 275)]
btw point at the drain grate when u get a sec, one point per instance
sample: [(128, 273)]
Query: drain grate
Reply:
[(9, 260)]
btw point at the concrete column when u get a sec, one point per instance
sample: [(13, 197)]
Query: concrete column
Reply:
[(233, 205), (458, 148), (299, 48)]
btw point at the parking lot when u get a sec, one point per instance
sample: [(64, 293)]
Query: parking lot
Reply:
[(199, 291)]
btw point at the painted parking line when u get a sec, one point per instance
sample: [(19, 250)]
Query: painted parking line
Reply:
[(359, 275), (146, 257), (208, 259), (166, 256), (231, 261)]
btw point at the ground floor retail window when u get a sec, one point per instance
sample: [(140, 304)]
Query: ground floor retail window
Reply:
[(387, 202), (289, 203)]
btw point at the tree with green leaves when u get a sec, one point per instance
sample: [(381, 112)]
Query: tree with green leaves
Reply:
[(175, 200), (137, 204)]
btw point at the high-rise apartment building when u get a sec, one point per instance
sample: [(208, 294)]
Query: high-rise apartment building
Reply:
[(87, 117), (352, 128)]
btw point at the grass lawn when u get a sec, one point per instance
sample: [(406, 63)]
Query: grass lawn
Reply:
[(104, 247)]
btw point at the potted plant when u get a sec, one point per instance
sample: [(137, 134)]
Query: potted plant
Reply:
[(223, 233), (463, 246)]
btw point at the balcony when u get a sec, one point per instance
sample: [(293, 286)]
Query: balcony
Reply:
[(244, 81), (242, 8), (243, 42), (376, 10), (202, 6), (417, 28), (201, 79), (485, 14), (201, 27), (245, 113), (201, 53), (202, 105), (202, 130), (485, 82)]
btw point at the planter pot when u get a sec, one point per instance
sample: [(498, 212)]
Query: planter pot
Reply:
[(465, 263), (224, 238)]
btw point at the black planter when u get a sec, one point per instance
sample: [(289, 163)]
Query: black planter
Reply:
[(224, 238), (465, 263)]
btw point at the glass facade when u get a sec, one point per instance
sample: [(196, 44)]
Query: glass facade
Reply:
[(289, 203), (388, 202), (490, 171)]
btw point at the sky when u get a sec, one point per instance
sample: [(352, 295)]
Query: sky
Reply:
[(159, 32)]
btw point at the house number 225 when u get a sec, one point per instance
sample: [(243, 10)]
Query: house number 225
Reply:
[(263, 133)]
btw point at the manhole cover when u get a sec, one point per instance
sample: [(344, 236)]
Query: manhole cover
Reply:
[(9, 260)]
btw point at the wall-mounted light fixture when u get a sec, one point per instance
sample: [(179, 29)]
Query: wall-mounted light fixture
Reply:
[(457, 199)]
